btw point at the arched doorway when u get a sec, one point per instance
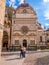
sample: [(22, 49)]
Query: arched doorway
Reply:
[(25, 43), (5, 41)]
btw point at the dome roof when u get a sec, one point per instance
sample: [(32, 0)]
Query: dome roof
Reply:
[(25, 8), (24, 5)]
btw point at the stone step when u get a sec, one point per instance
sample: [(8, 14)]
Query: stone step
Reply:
[(18, 52)]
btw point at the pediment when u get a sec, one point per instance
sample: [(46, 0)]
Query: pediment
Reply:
[(32, 34), (27, 10), (17, 34)]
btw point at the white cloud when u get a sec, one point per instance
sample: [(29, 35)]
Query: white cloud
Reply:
[(45, 1), (42, 26), (46, 14), (46, 9), (21, 1), (12, 2), (46, 24), (15, 6)]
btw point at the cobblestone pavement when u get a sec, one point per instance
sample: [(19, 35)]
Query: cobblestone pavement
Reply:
[(11, 60), (42, 61), (38, 58)]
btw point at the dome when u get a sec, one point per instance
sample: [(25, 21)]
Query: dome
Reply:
[(24, 5), (25, 8)]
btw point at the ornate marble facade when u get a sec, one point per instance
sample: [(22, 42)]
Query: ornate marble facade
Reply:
[(25, 26)]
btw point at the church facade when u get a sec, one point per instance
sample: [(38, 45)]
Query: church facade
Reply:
[(25, 26), (22, 27)]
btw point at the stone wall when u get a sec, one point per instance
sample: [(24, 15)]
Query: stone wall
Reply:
[(2, 12)]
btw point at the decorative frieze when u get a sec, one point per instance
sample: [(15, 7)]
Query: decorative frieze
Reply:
[(25, 16)]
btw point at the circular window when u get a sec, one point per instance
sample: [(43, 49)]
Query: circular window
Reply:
[(24, 29), (24, 11)]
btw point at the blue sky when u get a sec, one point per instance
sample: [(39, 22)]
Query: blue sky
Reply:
[(40, 6)]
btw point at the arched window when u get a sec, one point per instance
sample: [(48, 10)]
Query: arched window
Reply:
[(14, 22), (16, 42), (40, 38), (4, 22), (32, 42), (25, 43), (5, 41)]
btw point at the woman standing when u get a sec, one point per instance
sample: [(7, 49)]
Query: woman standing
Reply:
[(22, 52)]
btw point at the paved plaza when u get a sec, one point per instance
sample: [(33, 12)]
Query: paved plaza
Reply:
[(32, 58)]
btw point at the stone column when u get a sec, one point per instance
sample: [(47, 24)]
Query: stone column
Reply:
[(8, 37), (2, 13), (1, 35)]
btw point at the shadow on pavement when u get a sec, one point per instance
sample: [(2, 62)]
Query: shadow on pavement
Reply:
[(12, 59), (42, 61)]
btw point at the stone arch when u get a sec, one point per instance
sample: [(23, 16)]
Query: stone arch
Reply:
[(5, 41), (25, 43)]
